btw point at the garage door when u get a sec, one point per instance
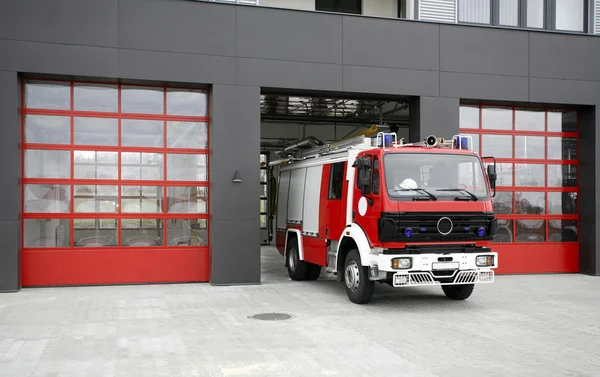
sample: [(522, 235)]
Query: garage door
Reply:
[(115, 184), (537, 199)]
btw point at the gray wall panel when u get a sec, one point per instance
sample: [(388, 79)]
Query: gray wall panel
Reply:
[(49, 58), (564, 91), (177, 26), (478, 50), (83, 22), (286, 74), (489, 87), (384, 43), (589, 160), (434, 116), (235, 145), (152, 65), (10, 258), (10, 160), (236, 252), (279, 34), (565, 56), (390, 81)]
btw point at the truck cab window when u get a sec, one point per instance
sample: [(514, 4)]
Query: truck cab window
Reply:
[(375, 177), (336, 180)]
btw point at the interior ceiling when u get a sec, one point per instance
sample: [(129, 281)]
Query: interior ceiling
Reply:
[(296, 109)]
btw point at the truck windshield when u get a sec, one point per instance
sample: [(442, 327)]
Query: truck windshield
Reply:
[(434, 176)]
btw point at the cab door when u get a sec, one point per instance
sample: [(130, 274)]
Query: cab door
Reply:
[(333, 200)]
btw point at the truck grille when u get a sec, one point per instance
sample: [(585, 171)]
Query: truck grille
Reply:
[(423, 227)]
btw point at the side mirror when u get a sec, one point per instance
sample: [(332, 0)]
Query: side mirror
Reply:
[(363, 179), (491, 170)]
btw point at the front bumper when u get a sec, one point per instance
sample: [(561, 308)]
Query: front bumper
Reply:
[(434, 269)]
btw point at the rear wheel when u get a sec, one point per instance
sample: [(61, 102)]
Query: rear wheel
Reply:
[(358, 286), (458, 292), (297, 269)]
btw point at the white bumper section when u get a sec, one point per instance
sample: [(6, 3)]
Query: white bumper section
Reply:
[(433, 269)]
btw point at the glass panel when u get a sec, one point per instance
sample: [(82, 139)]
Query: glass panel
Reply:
[(263, 221), (47, 164), (499, 146), (263, 206), (503, 202), (48, 95), (187, 135), (569, 15), (95, 232), (469, 117), (47, 198), (95, 199), (187, 232), (96, 97), (530, 120), (142, 133), (263, 160), (263, 191), (186, 102), (504, 231), (142, 166), (531, 230), (142, 232), (96, 131), (142, 100), (562, 175), (263, 176), (474, 11), (562, 203), (141, 199), (96, 165), (535, 13), (530, 203), (187, 199), (562, 121), (508, 12), (530, 147), (504, 172), (186, 167), (496, 118), (45, 129), (562, 148), (530, 175), (46, 232), (562, 230)]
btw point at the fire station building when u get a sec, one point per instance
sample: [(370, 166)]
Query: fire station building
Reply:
[(136, 133)]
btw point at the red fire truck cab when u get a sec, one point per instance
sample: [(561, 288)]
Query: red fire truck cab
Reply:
[(377, 209)]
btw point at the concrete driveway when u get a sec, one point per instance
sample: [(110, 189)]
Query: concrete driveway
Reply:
[(542, 325)]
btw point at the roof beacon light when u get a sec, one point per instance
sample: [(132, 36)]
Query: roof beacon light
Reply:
[(386, 139), (462, 142)]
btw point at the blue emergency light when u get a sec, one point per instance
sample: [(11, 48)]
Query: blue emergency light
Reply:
[(461, 142), (385, 140)]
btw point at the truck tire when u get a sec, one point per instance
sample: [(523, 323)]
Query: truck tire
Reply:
[(458, 292), (297, 269), (314, 271), (356, 277)]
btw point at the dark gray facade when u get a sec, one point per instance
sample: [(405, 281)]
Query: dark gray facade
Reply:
[(238, 50)]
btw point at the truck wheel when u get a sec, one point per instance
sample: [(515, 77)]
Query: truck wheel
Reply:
[(358, 286), (458, 292), (314, 271), (297, 269)]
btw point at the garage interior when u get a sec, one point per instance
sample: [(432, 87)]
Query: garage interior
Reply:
[(295, 121)]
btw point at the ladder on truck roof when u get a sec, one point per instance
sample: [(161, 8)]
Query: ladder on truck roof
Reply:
[(335, 147)]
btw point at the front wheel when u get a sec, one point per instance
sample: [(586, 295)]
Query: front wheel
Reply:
[(458, 292), (358, 286)]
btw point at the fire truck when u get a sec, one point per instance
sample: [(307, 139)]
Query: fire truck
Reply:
[(379, 210)]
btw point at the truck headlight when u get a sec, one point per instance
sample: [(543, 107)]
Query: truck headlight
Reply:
[(484, 260), (402, 263)]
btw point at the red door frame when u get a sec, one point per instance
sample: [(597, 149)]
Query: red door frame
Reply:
[(114, 264), (535, 257)]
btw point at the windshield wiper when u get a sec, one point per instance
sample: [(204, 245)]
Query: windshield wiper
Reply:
[(475, 198), (421, 191)]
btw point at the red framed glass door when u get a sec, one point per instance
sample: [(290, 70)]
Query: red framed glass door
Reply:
[(538, 185), (115, 183)]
